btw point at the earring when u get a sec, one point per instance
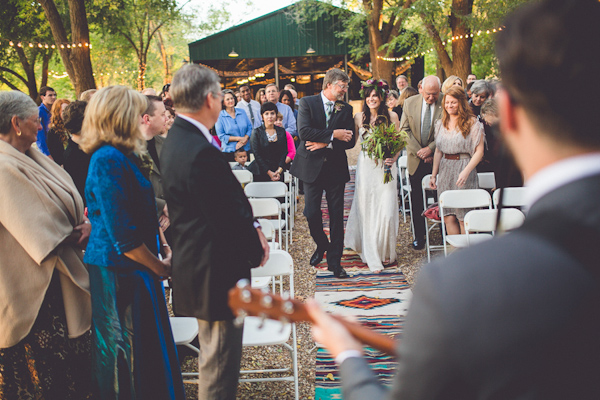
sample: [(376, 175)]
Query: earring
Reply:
[(18, 133)]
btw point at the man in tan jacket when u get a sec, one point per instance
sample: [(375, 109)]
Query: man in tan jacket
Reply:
[(418, 118)]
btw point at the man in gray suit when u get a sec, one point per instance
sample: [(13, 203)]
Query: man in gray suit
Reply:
[(418, 119), (517, 317)]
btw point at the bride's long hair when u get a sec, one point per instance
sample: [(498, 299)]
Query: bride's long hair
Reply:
[(382, 110)]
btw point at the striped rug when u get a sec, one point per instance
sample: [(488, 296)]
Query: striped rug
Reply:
[(379, 301)]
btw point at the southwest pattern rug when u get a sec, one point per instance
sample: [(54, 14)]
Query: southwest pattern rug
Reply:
[(380, 301)]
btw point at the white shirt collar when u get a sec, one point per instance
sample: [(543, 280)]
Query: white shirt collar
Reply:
[(198, 125), (559, 174), (325, 99)]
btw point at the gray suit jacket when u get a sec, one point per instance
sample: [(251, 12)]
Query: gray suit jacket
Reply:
[(513, 318), (411, 124)]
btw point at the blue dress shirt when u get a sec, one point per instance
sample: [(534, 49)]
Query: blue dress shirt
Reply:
[(227, 127), (242, 105), (289, 121), (41, 135)]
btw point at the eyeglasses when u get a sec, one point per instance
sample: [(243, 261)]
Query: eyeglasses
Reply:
[(166, 87), (343, 87)]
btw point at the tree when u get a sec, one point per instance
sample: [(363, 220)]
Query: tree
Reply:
[(76, 58), (136, 22), (23, 23)]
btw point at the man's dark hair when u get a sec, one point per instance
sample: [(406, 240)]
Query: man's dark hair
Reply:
[(73, 116), (245, 85), (45, 89), (268, 106), (549, 48), (151, 104)]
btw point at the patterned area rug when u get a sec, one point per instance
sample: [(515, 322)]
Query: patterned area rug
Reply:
[(379, 301)]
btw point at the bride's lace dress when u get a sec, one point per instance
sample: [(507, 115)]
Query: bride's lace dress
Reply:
[(372, 225)]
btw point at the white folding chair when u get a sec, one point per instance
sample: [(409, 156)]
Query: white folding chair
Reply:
[(259, 332), (485, 221), (232, 163), (486, 180), (513, 197), (430, 224), (405, 190), (185, 330), (270, 207), (243, 176), (466, 198), (259, 190)]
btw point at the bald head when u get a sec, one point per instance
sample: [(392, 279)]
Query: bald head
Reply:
[(431, 89)]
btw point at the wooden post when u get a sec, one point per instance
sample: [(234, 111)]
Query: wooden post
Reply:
[(346, 71), (277, 72)]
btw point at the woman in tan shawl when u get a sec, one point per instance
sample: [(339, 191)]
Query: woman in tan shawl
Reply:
[(45, 308)]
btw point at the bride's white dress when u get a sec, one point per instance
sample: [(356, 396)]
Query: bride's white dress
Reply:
[(372, 225)]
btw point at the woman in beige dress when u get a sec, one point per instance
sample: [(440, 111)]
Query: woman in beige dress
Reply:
[(459, 141)]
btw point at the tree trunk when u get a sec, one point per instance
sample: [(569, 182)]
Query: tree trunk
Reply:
[(45, 62), (164, 58), (461, 48), (142, 72), (29, 68)]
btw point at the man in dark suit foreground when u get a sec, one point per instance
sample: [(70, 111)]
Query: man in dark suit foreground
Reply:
[(517, 317), (215, 240), (326, 130)]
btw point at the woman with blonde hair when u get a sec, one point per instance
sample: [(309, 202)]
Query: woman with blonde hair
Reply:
[(459, 141), (134, 353), (452, 80), (261, 96), (57, 136), (45, 304)]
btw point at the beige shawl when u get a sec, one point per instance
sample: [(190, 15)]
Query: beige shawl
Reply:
[(39, 206)]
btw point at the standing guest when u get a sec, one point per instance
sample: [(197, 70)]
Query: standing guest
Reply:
[(420, 86), (164, 93), (418, 121), (286, 97), (452, 80), (325, 119), (261, 96), (45, 333), (233, 127), (251, 107), (75, 160), (170, 119), (269, 145), (149, 92), (482, 323), (289, 122), (406, 93), (57, 136), (87, 95), (48, 97), (480, 91), (459, 141), (290, 142), (134, 351), (471, 78), (289, 86), (392, 103), (401, 83), (295, 96), (238, 95), (204, 221)]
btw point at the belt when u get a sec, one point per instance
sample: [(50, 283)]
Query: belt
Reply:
[(459, 156)]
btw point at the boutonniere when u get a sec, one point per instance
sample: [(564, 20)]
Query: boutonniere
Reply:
[(338, 105)]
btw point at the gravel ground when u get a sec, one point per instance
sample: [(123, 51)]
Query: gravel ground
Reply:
[(254, 358)]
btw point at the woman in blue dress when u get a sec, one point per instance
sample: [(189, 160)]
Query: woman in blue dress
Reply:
[(233, 126), (134, 356)]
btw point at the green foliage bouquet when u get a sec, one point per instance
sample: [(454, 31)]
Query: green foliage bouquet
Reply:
[(384, 141)]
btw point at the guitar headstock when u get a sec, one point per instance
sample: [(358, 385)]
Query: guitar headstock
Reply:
[(246, 301)]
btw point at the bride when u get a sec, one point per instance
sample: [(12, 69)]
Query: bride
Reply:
[(372, 225)]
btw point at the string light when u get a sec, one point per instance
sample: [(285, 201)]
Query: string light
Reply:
[(41, 45), (451, 39)]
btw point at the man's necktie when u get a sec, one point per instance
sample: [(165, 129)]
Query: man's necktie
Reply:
[(215, 143), (329, 105), (251, 114), (426, 125)]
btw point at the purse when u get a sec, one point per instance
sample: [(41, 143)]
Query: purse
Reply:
[(432, 212)]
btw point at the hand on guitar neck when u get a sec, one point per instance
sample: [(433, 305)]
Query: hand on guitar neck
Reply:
[(335, 333)]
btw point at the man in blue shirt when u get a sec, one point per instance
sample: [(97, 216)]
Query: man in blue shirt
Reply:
[(289, 122), (48, 96)]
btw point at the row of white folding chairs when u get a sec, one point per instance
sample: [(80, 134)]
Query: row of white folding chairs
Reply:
[(262, 209), (256, 331)]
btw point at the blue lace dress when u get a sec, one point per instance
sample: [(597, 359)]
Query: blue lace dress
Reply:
[(134, 355)]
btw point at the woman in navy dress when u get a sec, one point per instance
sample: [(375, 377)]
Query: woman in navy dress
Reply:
[(134, 356)]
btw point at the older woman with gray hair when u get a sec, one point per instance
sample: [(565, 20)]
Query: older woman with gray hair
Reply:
[(45, 301), (480, 91)]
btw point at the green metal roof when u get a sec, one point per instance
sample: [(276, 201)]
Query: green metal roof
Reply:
[(273, 35)]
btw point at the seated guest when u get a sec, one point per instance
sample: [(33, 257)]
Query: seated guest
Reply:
[(269, 145), (45, 301), (240, 157), (480, 91), (56, 138), (233, 126), (290, 142), (75, 160)]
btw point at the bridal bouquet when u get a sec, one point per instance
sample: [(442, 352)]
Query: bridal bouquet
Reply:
[(383, 141)]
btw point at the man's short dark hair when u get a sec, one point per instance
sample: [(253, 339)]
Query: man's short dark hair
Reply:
[(546, 50), (268, 106), (45, 89), (151, 104), (245, 85)]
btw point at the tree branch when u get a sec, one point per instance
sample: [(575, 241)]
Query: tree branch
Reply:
[(16, 74), (7, 83)]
